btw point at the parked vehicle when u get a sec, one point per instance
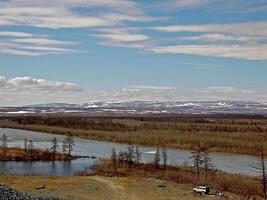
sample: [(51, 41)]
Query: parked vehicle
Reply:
[(202, 190)]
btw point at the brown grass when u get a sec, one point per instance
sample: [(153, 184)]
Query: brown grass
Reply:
[(18, 154), (107, 188), (241, 185)]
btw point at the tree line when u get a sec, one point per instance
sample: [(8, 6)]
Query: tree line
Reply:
[(110, 124)]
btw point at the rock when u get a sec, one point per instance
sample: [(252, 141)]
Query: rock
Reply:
[(161, 186), (7, 193)]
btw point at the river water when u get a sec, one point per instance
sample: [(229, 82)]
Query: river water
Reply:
[(232, 163)]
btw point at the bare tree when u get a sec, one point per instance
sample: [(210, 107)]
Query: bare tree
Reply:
[(26, 145), (68, 144), (260, 167), (164, 156), (54, 147), (197, 157), (31, 148), (157, 158), (137, 155), (114, 160), (4, 144), (63, 147), (207, 161), (122, 157), (130, 154)]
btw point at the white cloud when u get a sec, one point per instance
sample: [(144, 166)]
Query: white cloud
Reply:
[(230, 93), (252, 52), (237, 29), (23, 84), (61, 14), (2, 80), (147, 87), (104, 14), (126, 37), (28, 90), (28, 44), (42, 41), (214, 37), (15, 34), (189, 3), (236, 40), (179, 4), (121, 35), (218, 6)]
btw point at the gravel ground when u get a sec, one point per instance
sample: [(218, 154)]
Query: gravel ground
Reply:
[(7, 193)]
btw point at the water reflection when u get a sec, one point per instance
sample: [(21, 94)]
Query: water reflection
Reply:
[(57, 168)]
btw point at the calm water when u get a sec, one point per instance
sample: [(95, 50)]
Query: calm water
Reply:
[(227, 162)]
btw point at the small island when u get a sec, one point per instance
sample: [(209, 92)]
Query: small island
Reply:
[(30, 153), (19, 154)]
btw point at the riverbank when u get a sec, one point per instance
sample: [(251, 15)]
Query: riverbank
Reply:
[(239, 142), (106, 188), (18, 154), (245, 186)]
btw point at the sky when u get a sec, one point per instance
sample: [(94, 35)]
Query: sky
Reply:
[(76, 51)]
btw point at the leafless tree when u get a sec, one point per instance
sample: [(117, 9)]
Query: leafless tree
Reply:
[(54, 147), (114, 160), (164, 156), (157, 158), (26, 145), (130, 154), (138, 155), (4, 144), (197, 157), (31, 148), (260, 167), (207, 162), (68, 144)]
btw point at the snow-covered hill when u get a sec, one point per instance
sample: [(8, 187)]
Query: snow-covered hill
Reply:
[(145, 107)]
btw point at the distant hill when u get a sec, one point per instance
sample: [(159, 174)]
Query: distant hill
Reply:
[(144, 107)]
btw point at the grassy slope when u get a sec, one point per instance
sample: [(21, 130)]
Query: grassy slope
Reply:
[(96, 187)]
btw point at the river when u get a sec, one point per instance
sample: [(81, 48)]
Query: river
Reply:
[(232, 163)]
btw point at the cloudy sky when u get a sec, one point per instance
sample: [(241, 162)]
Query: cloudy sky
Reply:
[(77, 51)]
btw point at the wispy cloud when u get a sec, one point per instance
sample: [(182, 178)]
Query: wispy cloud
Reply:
[(122, 23), (178, 4), (62, 14), (236, 29), (68, 14), (121, 35), (237, 40), (253, 52), (15, 34), (28, 44), (42, 41), (218, 6), (230, 93)]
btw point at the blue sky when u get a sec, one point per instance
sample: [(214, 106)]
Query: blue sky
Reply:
[(174, 50)]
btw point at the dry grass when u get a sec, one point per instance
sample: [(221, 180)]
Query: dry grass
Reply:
[(241, 185), (106, 188)]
